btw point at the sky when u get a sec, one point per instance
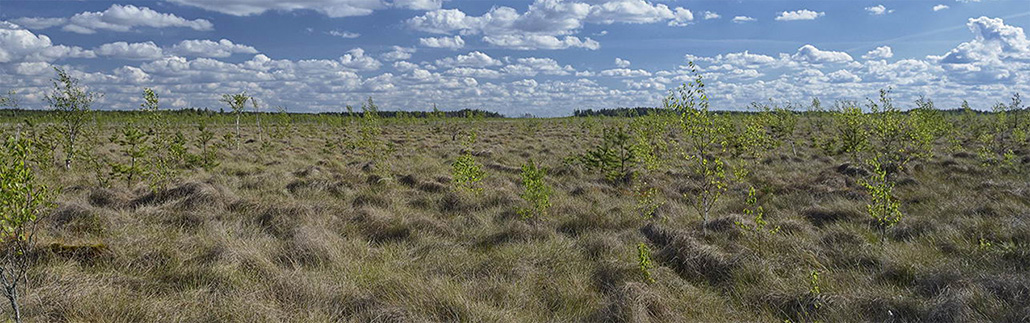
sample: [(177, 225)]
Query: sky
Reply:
[(542, 57)]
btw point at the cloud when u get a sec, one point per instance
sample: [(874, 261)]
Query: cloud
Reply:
[(443, 42), (331, 8), (644, 85), (997, 53), (474, 72), (418, 4), (803, 14), (995, 62), (624, 72), (878, 10), (404, 66), (621, 62), (743, 19), (881, 52), (356, 59), (682, 17), (940, 7), (39, 23), (634, 11), (742, 59), (531, 66), (534, 42), (209, 48), (472, 59), (344, 34), (811, 54), (843, 76), (710, 15), (398, 53), (20, 45), (444, 21), (134, 51), (540, 26), (121, 19)]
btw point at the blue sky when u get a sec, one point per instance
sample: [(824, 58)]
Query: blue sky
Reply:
[(545, 57)]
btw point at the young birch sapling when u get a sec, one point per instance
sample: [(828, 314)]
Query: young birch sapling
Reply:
[(23, 200), (238, 104), (644, 262), (704, 138), (73, 104)]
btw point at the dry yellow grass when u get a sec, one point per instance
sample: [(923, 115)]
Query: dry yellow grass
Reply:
[(290, 232)]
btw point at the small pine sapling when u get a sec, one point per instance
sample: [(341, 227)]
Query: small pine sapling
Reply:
[(782, 122), (370, 142), (133, 146), (613, 158), (466, 170), (536, 192), (208, 153)]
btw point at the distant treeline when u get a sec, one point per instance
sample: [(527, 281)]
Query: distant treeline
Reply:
[(616, 112), (12, 113), (642, 111), (426, 114), (633, 112)]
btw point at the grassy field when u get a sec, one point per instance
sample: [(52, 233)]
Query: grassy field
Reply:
[(333, 218)]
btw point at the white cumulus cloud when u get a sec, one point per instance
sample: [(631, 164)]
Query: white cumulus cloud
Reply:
[(443, 42), (881, 52), (20, 45), (331, 8), (133, 51), (997, 53), (621, 62), (878, 10), (473, 59), (531, 42), (344, 34), (548, 24), (399, 53), (803, 14), (210, 48), (743, 19), (123, 18), (811, 54)]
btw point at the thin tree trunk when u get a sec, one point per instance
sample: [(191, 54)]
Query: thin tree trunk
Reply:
[(12, 296), (68, 154), (238, 132)]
